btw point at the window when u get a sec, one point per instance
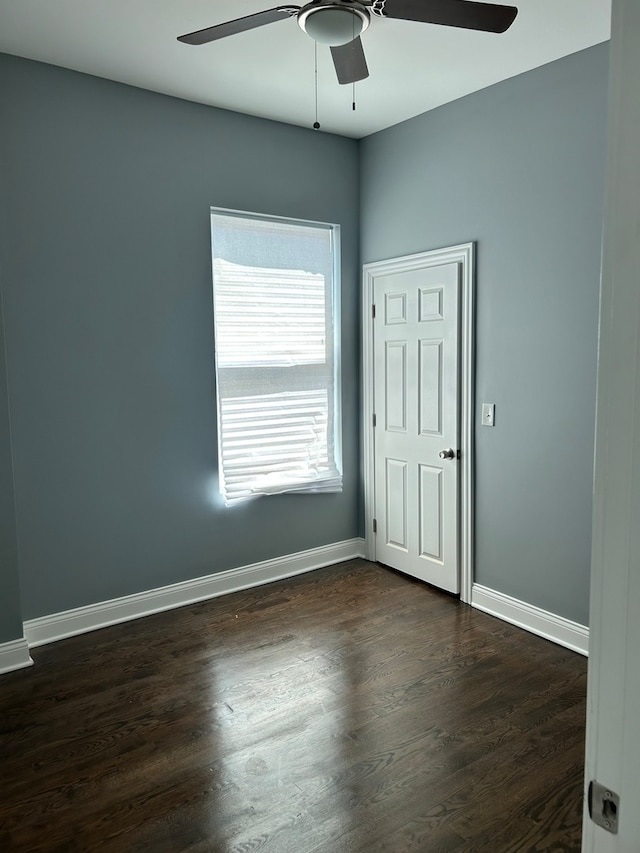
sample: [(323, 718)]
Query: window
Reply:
[(276, 332)]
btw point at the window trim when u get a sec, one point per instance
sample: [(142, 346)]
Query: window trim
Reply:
[(335, 406)]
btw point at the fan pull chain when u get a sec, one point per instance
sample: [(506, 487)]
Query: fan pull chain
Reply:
[(353, 85), (316, 124)]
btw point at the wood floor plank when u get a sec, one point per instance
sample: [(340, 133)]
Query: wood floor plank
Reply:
[(349, 709)]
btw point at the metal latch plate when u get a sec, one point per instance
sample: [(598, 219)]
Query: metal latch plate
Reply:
[(604, 807)]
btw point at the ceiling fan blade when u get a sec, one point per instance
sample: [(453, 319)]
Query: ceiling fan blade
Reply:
[(451, 13), (239, 25), (349, 61)]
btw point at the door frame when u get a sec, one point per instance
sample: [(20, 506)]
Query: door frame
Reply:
[(463, 254)]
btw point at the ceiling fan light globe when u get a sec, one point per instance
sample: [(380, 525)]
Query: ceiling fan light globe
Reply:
[(333, 25)]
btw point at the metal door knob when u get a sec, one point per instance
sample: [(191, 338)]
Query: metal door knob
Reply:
[(447, 454)]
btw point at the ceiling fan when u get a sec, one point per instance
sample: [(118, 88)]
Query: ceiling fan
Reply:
[(339, 24)]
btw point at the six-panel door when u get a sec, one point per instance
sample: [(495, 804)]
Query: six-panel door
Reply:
[(416, 345)]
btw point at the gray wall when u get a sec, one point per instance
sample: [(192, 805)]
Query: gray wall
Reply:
[(108, 320), (518, 168), (10, 612)]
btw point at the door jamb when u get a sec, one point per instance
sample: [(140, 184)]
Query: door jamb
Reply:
[(463, 254)]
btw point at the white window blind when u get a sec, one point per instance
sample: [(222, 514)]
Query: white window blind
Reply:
[(275, 332)]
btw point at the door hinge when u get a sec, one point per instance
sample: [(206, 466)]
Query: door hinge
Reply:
[(604, 807), (373, 311), (375, 526), (374, 420)]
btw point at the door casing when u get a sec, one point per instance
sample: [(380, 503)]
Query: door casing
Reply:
[(464, 255)]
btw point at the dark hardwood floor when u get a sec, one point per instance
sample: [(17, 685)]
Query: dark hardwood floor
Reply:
[(350, 709)]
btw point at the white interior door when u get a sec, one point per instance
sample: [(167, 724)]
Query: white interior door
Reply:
[(613, 707), (417, 422)]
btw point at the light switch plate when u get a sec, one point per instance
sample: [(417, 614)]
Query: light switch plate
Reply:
[(488, 414)]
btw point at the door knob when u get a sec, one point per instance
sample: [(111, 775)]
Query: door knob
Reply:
[(447, 454)]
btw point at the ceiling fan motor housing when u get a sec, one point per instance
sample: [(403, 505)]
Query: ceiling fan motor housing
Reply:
[(332, 23)]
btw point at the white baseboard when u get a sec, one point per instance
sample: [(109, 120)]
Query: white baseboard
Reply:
[(57, 626), (14, 655), (555, 628)]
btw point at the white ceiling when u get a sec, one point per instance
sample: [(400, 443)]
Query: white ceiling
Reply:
[(270, 71)]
